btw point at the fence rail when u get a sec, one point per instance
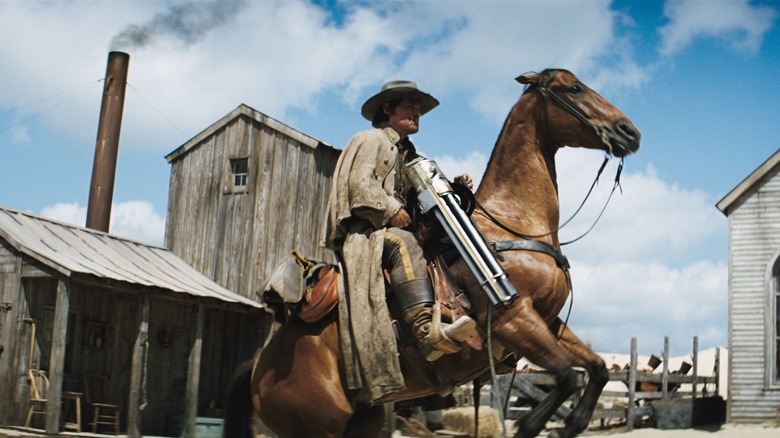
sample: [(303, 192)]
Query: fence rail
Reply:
[(642, 387)]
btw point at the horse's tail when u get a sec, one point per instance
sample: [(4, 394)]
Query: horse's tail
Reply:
[(239, 403)]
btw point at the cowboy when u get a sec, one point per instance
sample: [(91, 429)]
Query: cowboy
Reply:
[(367, 226)]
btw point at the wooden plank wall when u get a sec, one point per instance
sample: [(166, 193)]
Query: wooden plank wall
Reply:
[(101, 332), (10, 333), (238, 237), (754, 239)]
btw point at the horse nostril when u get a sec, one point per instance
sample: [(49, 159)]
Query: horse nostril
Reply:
[(628, 130)]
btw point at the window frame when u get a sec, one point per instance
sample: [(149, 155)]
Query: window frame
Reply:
[(772, 327), (234, 187)]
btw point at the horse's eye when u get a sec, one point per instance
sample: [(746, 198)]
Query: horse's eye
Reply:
[(576, 89)]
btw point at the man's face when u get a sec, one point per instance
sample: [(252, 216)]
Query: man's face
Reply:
[(405, 118)]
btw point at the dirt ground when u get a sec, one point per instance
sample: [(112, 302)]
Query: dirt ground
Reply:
[(722, 431)]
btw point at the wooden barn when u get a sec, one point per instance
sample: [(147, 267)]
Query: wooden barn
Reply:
[(244, 193), (75, 303), (753, 211)]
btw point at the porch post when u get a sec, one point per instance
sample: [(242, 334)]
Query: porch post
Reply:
[(138, 370), (193, 374), (59, 336)]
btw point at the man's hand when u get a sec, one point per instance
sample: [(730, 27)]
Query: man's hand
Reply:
[(465, 179), (401, 219)]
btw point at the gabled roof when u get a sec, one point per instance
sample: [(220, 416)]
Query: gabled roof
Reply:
[(69, 249), (244, 110), (748, 182)]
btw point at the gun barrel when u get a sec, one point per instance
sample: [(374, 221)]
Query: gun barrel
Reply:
[(435, 194)]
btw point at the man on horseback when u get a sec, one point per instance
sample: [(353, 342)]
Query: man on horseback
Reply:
[(367, 227)]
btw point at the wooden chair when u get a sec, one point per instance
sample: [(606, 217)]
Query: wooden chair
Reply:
[(97, 389), (39, 388)]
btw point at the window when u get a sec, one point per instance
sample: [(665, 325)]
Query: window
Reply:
[(772, 324), (775, 312), (240, 168)]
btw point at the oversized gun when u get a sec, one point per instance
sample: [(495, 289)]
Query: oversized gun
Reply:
[(434, 193)]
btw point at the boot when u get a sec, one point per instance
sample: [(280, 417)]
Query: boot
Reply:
[(435, 339)]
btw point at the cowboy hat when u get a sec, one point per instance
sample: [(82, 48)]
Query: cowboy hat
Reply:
[(397, 90)]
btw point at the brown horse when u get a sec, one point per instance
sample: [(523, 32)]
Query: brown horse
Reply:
[(297, 382)]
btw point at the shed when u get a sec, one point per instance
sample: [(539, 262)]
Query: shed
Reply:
[(75, 301), (245, 192), (753, 211)]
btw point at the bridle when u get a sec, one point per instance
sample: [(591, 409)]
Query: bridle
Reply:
[(548, 94)]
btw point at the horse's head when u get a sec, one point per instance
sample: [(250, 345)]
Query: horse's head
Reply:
[(575, 115)]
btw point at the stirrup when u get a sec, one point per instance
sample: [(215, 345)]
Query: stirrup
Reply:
[(461, 329), (446, 338)]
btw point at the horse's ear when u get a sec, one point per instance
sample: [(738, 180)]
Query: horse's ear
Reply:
[(529, 78)]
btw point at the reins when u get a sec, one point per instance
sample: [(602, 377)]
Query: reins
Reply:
[(516, 233)]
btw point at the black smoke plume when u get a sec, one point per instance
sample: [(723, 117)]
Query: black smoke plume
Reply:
[(187, 22)]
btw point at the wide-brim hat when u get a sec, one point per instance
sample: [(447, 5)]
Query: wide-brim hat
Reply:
[(397, 90)]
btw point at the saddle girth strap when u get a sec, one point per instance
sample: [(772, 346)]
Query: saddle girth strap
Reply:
[(536, 246)]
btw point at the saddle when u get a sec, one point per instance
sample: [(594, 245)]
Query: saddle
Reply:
[(301, 287), (309, 290), (322, 294)]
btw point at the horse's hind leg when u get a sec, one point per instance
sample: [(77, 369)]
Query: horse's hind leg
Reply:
[(366, 423), (598, 375)]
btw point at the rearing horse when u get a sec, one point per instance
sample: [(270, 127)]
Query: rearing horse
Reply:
[(297, 384)]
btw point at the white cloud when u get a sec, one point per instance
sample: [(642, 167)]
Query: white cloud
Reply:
[(20, 135), (473, 164), (738, 22), (482, 46), (282, 55), (615, 301), (631, 274), (135, 220), (71, 213), (139, 221), (650, 220)]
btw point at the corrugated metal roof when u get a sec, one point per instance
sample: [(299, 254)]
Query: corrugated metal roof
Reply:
[(70, 249)]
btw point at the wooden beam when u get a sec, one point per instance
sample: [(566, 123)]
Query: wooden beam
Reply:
[(695, 381), (631, 388), (665, 372), (137, 399), (57, 359), (530, 390), (193, 374)]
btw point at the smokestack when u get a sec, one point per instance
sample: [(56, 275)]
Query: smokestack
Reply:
[(101, 190)]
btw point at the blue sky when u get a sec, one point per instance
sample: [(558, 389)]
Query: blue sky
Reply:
[(697, 77)]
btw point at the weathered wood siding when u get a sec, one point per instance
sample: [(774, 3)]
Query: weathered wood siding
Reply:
[(754, 239), (237, 237), (13, 353), (101, 331)]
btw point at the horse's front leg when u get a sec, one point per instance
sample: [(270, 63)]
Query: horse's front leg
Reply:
[(598, 376), (528, 334)]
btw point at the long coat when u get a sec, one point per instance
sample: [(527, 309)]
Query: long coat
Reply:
[(362, 202)]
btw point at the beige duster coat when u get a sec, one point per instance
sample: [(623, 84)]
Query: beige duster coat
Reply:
[(361, 203)]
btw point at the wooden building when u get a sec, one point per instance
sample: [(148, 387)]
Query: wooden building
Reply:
[(244, 193), (753, 211), (75, 302)]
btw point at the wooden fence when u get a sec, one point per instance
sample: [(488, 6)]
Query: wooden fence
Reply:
[(643, 388)]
